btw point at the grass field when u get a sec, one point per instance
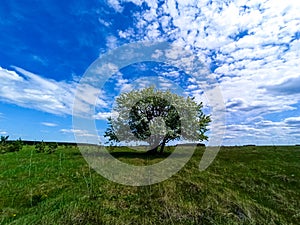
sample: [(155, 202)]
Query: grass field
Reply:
[(244, 185)]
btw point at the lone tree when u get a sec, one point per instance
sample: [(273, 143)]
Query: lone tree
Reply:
[(156, 117)]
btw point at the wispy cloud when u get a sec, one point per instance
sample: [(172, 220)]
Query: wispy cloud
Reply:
[(293, 121), (78, 132), (291, 86), (29, 90), (105, 115), (3, 133), (47, 124), (116, 5)]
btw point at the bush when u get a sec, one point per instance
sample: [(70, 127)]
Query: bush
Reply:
[(42, 147), (12, 146), (3, 149), (51, 148), (17, 145)]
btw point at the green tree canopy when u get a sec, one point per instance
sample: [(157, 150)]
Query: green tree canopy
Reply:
[(156, 117)]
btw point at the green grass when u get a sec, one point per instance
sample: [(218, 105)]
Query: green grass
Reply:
[(244, 185)]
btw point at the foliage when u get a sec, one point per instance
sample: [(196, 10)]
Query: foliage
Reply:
[(16, 145), (10, 146), (156, 117), (49, 148), (40, 147), (3, 140)]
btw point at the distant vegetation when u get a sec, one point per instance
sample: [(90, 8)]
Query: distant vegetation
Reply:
[(244, 185), (8, 146), (42, 147)]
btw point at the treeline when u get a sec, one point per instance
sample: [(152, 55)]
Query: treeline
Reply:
[(25, 142), (39, 146)]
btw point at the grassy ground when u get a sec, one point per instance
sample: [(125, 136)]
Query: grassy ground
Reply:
[(244, 185)]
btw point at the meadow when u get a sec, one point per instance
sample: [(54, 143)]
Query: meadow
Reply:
[(244, 185)]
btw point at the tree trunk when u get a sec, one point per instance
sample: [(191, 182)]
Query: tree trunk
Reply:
[(162, 146), (154, 145), (153, 151)]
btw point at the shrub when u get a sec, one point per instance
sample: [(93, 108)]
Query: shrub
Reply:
[(51, 148), (42, 147), (16, 145), (12, 146)]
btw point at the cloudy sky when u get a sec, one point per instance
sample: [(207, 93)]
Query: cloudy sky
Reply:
[(251, 48)]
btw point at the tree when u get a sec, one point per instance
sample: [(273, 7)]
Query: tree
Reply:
[(156, 117), (4, 139)]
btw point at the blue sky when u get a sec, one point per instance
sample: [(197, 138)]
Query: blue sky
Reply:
[(252, 48)]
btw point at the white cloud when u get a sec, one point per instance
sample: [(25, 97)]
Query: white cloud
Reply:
[(289, 86), (90, 95), (104, 22), (7, 76), (3, 133), (116, 5), (105, 115), (125, 34), (111, 42), (29, 90), (78, 132), (293, 121), (47, 124)]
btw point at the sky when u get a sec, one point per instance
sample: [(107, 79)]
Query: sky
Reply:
[(251, 48)]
